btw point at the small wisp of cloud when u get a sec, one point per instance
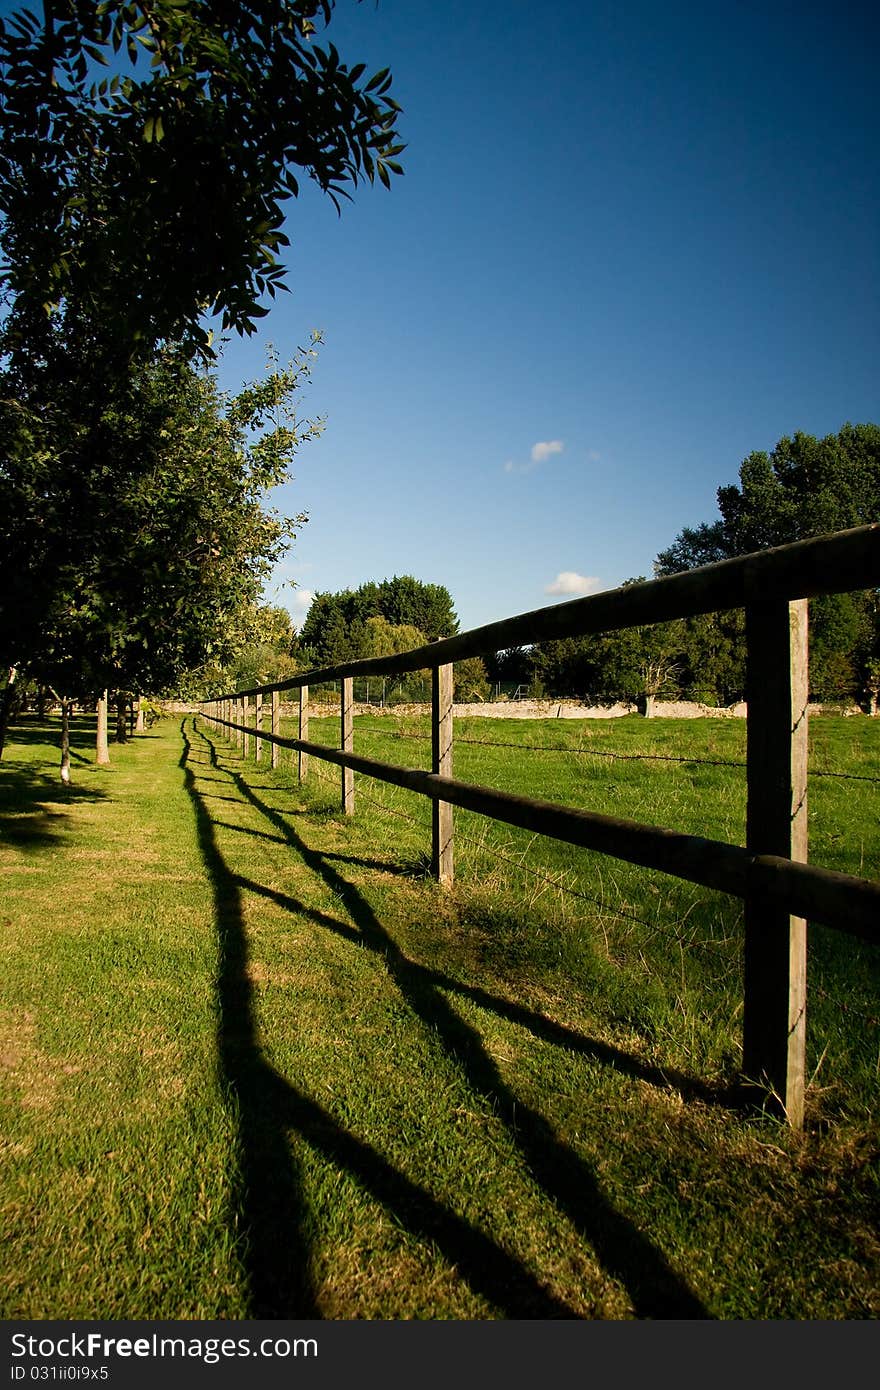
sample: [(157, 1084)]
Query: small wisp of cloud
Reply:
[(570, 584), (540, 453), (545, 449)]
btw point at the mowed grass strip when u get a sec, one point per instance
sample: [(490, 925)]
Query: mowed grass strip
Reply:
[(117, 1142), (256, 1064)]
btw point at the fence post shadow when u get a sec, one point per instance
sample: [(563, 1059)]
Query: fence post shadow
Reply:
[(266, 1188), (269, 1106), (624, 1252)]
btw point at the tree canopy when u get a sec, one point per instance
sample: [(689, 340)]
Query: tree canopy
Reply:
[(148, 148), (133, 551), (803, 487), (342, 626)]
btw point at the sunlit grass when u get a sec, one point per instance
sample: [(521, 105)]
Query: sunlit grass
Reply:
[(256, 1063)]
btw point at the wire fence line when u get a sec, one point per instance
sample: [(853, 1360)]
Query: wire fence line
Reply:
[(771, 874), (851, 1010), (605, 907), (483, 845), (623, 757)]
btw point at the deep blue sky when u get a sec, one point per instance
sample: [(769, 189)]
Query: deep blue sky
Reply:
[(644, 234)]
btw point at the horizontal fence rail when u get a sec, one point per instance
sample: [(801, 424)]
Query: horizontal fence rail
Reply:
[(836, 900), (780, 890)]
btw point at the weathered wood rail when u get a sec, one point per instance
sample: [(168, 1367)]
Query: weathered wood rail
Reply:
[(780, 890)]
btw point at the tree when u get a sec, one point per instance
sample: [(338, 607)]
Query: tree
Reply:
[(337, 626), (143, 556), (148, 147), (470, 681), (804, 487), (427, 607), (382, 638), (267, 638)]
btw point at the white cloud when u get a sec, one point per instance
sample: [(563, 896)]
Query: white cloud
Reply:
[(540, 453), (299, 602), (571, 583), (544, 448)]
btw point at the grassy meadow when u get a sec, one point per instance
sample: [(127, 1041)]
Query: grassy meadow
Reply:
[(255, 1063)]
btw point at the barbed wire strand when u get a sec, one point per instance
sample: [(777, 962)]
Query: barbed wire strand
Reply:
[(483, 846), (850, 1009), (623, 757)]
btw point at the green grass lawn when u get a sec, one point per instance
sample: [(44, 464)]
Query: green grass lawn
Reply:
[(255, 1063)]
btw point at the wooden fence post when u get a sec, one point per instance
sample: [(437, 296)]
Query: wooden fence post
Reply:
[(774, 1017), (102, 752), (258, 725), (441, 763), (276, 725), (242, 710), (246, 738), (347, 745), (302, 761)]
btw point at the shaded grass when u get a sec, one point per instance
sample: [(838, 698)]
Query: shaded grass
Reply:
[(256, 1063)]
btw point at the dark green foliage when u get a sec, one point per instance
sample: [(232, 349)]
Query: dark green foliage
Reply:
[(147, 151), (338, 626), (804, 487), (133, 549)]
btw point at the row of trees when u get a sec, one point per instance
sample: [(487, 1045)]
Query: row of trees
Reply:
[(147, 149), (135, 550)]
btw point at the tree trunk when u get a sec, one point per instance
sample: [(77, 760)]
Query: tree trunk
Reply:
[(65, 742), (102, 752), (6, 706), (121, 718)]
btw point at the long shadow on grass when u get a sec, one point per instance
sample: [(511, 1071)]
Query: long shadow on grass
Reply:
[(32, 729), (269, 1106), (275, 1252), (34, 806), (654, 1287)]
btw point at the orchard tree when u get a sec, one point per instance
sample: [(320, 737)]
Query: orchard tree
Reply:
[(145, 554), (148, 148)]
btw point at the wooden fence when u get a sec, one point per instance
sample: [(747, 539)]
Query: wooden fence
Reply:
[(780, 890)]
